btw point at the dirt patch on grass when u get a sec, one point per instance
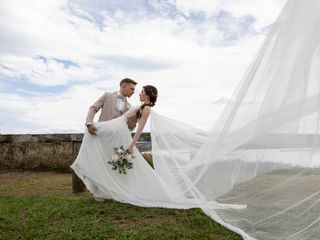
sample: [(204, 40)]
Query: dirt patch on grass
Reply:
[(9, 176), (29, 183)]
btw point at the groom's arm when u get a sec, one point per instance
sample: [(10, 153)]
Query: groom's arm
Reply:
[(94, 109)]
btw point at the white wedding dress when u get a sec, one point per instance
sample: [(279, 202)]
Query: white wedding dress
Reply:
[(141, 186)]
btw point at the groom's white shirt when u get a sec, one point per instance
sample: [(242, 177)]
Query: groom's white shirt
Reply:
[(121, 102)]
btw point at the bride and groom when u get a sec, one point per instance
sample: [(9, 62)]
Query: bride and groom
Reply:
[(142, 185)]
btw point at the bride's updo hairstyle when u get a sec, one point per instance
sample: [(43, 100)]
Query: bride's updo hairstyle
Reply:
[(152, 93)]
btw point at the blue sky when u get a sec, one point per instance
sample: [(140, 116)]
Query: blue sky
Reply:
[(57, 57)]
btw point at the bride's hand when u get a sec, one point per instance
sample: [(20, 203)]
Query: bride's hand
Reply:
[(130, 148)]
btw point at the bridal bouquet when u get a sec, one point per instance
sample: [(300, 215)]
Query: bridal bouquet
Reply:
[(121, 160)]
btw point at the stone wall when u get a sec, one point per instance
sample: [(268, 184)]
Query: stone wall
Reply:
[(46, 151)]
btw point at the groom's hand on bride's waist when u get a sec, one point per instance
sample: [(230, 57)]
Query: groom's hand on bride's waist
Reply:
[(92, 129), (132, 122)]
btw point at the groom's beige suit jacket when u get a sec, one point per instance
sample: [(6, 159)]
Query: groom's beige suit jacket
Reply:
[(108, 105)]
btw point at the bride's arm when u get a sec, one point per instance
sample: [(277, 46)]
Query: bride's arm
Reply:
[(141, 123)]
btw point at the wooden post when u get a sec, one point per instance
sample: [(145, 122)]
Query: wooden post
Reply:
[(77, 184)]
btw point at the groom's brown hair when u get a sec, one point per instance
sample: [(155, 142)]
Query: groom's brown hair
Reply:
[(128, 80)]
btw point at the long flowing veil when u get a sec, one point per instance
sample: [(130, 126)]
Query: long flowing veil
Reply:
[(264, 150)]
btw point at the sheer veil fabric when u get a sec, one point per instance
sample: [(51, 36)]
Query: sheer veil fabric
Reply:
[(263, 152)]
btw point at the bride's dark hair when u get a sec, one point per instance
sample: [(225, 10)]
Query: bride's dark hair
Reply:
[(152, 93)]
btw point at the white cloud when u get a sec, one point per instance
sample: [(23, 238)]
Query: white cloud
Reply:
[(263, 11), (185, 58)]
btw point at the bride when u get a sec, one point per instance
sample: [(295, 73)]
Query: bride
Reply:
[(140, 186)]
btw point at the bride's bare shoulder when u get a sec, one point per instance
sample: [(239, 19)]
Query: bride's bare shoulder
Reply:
[(146, 110)]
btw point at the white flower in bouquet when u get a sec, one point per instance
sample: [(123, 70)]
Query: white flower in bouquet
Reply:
[(129, 157), (114, 157)]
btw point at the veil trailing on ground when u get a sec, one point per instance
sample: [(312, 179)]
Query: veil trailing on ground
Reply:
[(264, 150)]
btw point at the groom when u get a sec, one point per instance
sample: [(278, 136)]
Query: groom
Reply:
[(112, 105)]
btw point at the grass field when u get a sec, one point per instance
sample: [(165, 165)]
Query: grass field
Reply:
[(41, 205)]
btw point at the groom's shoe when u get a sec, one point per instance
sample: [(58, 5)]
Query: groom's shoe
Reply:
[(98, 199)]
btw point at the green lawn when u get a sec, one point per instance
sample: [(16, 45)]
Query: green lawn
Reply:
[(40, 205)]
